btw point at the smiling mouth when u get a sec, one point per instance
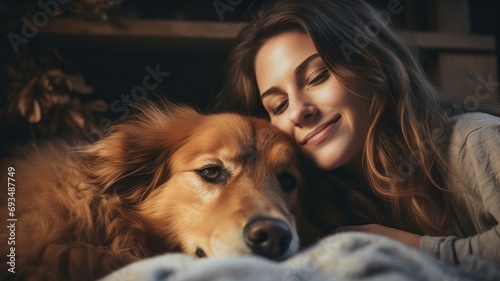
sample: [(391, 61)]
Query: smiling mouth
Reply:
[(321, 132)]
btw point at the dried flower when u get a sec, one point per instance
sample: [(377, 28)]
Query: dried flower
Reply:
[(45, 95)]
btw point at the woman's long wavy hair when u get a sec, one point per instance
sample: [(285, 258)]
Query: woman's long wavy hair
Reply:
[(402, 156)]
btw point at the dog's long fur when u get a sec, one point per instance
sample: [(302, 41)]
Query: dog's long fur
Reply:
[(139, 192)]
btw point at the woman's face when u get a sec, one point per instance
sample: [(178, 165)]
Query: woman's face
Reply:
[(307, 102)]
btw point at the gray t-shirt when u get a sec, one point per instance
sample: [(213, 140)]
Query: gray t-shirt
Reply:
[(474, 155)]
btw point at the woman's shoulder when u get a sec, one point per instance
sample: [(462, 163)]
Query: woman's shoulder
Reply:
[(472, 125), (472, 142), (473, 152), (472, 135), (473, 120)]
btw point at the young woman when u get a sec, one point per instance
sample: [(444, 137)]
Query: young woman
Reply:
[(335, 77)]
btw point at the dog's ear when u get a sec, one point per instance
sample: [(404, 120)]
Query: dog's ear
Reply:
[(133, 158)]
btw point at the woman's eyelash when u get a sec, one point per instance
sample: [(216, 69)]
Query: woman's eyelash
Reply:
[(277, 109), (320, 77)]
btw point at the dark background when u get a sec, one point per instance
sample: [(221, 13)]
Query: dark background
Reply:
[(113, 66)]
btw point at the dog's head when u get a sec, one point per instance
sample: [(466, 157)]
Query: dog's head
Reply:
[(218, 184)]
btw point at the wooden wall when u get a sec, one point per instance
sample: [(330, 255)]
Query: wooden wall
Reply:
[(191, 40)]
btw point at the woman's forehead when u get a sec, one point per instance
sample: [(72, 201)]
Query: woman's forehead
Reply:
[(280, 56)]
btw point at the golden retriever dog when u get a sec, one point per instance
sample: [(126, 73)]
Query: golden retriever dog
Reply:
[(168, 180)]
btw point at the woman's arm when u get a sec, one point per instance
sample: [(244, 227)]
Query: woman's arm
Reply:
[(474, 156), (454, 250), (410, 239)]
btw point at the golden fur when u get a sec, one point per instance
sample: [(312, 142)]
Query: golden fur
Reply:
[(139, 192)]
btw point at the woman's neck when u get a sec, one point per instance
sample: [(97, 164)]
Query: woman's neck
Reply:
[(356, 167)]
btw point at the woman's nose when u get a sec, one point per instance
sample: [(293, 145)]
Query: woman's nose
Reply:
[(301, 112)]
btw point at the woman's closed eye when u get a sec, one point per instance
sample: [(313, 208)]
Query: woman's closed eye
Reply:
[(318, 76), (279, 107)]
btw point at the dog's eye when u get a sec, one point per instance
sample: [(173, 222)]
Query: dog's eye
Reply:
[(213, 174), (287, 181)]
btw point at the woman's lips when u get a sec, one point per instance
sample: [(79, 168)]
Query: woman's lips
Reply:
[(320, 133)]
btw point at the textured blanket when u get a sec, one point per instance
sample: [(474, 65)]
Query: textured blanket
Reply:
[(343, 256)]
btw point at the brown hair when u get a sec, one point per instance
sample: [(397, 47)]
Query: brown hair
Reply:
[(408, 119)]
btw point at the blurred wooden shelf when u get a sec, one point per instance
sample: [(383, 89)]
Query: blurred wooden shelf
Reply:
[(451, 42), (200, 36), (143, 35)]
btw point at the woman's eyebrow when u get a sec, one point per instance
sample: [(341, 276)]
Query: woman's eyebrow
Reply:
[(269, 91), (302, 66), (297, 71)]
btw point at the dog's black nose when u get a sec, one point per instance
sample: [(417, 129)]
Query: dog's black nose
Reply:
[(268, 237)]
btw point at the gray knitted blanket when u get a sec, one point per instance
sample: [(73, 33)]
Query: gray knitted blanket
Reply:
[(343, 256)]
